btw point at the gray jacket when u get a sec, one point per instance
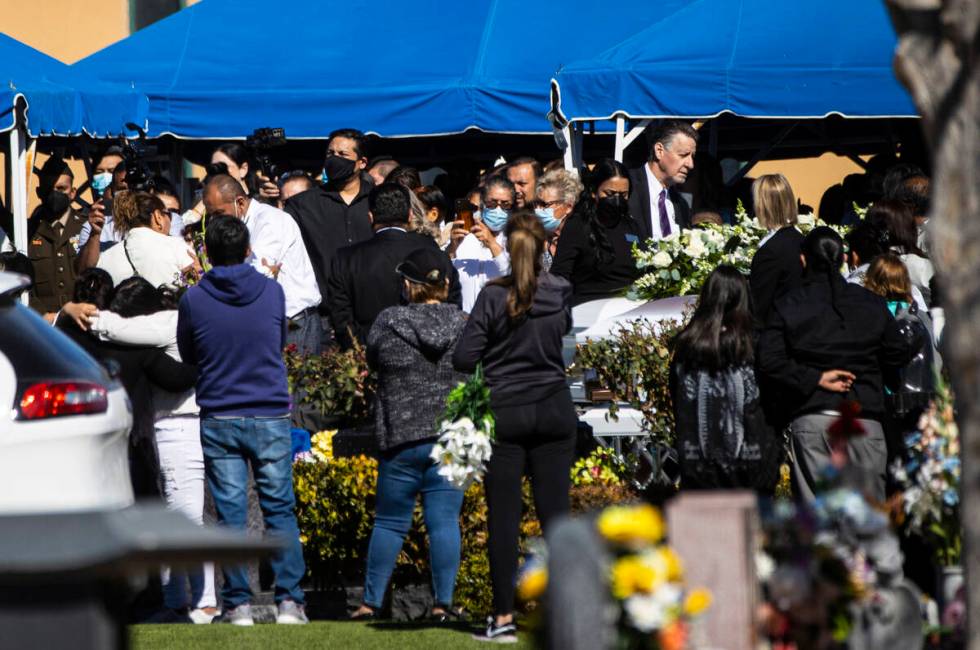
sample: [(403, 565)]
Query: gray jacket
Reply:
[(411, 348)]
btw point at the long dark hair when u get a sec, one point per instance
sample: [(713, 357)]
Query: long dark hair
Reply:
[(823, 250), (93, 285), (719, 335), (137, 297), (896, 218), (525, 245), (587, 207)]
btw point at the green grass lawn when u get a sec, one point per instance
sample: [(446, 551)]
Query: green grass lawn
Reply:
[(333, 634)]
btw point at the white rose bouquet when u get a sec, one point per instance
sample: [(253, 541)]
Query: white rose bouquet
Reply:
[(465, 433)]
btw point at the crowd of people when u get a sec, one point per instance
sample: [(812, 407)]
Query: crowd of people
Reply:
[(364, 253)]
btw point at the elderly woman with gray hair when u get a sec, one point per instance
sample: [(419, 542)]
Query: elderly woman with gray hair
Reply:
[(558, 191)]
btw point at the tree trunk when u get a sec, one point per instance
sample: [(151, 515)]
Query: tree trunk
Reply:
[(937, 60)]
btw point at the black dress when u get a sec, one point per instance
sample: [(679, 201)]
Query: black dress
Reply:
[(776, 270), (596, 276)]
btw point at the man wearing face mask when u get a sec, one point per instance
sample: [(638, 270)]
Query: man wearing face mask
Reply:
[(364, 280), (53, 237), (482, 255), (277, 251), (336, 214), (658, 208), (595, 249)]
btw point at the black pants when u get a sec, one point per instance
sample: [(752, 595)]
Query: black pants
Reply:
[(542, 436)]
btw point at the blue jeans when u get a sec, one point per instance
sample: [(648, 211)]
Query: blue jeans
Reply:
[(402, 476), (230, 445)]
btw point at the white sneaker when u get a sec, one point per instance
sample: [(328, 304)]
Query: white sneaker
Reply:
[(241, 615), (291, 613), (201, 617)]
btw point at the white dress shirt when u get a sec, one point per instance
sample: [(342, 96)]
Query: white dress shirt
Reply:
[(157, 257), (276, 239), (477, 265), (654, 188)]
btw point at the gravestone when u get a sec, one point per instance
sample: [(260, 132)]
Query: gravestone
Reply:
[(716, 535)]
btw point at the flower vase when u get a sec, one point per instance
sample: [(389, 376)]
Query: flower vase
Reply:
[(950, 582)]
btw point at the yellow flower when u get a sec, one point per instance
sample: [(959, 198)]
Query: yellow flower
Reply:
[(532, 584), (631, 575), (671, 563), (321, 444), (697, 601), (631, 525)]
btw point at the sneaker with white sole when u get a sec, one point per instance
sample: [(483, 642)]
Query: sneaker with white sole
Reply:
[(200, 616), (241, 615), (506, 633), (291, 613)]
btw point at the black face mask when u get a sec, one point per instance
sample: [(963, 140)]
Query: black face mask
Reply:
[(55, 203), (611, 210), (338, 169)]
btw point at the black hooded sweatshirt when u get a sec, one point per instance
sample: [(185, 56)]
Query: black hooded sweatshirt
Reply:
[(522, 361)]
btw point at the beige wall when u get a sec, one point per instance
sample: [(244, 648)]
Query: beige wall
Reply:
[(68, 30), (809, 177)]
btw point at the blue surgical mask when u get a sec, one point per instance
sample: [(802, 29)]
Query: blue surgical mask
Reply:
[(101, 181), (495, 218), (547, 217)]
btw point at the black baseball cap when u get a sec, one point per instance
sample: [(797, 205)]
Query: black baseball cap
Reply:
[(424, 266)]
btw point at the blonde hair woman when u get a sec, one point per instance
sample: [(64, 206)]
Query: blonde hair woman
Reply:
[(776, 267)]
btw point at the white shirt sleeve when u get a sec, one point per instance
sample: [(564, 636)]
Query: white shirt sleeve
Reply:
[(157, 330), (268, 244)]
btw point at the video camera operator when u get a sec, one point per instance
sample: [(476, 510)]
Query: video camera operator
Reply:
[(335, 215)]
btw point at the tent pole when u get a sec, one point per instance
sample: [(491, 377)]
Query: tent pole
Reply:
[(579, 138), (635, 132), (569, 145), (18, 181), (620, 138)]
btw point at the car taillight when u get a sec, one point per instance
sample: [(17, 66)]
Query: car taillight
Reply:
[(51, 400)]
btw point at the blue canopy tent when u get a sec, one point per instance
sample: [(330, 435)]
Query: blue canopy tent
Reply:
[(753, 58), (220, 68), (43, 96)]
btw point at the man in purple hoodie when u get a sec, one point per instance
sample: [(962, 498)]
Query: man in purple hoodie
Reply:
[(232, 325)]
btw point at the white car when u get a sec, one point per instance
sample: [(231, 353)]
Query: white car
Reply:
[(64, 436), (595, 321)]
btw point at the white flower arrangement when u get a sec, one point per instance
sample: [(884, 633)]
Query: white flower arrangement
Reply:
[(465, 433)]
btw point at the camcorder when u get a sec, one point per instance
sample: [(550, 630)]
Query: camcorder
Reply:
[(139, 178), (261, 143)]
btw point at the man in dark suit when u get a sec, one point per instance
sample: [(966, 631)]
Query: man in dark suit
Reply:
[(363, 280), (654, 203)]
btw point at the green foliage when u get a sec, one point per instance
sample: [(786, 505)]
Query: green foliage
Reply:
[(471, 399), (335, 510), (335, 382), (603, 466), (633, 363)]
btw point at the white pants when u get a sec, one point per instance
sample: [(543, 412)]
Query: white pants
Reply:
[(182, 467)]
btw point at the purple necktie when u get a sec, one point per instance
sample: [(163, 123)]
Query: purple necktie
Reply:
[(664, 221)]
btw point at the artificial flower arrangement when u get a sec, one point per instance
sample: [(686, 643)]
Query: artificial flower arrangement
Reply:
[(930, 479), (647, 580), (466, 431)]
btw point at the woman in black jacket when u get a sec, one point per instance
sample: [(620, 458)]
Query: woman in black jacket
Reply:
[(515, 330), (595, 250), (776, 267), (723, 439), (827, 341)]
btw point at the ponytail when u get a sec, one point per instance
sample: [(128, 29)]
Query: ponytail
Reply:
[(823, 250), (525, 246)]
